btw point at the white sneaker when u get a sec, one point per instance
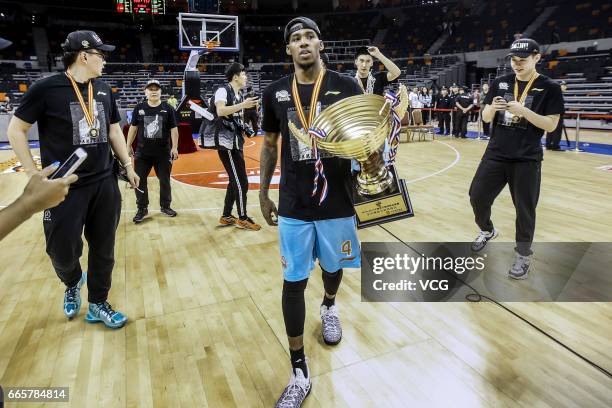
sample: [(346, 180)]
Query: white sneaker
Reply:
[(520, 267), (296, 391), (330, 325), (481, 240)]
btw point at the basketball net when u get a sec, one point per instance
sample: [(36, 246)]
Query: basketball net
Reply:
[(211, 44)]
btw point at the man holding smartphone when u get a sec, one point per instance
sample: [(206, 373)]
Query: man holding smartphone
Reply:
[(75, 109), (154, 122), (520, 107)]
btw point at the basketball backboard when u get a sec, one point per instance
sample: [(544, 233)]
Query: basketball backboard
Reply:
[(208, 32)]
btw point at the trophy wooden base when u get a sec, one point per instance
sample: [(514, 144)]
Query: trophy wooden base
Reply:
[(391, 205)]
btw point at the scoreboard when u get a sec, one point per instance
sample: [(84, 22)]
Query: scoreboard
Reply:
[(141, 6)]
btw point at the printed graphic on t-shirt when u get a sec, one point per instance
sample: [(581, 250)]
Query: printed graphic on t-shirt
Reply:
[(153, 126), (81, 131), (299, 150), (506, 118)]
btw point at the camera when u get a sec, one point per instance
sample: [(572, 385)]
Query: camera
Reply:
[(248, 131)]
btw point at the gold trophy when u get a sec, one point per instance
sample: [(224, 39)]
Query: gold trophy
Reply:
[(356, 128)]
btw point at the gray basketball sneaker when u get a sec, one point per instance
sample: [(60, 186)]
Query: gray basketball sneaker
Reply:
[(482, 239), (330, 325), (520, 267), (296, 391)]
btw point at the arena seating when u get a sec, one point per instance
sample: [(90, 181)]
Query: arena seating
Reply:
[(404, 34), (577, 21), (494, 27)]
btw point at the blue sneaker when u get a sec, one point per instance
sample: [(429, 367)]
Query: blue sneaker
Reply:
[(103, 312), (72, 298)]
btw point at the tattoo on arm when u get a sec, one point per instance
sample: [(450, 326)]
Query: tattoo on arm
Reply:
[(268, 157)]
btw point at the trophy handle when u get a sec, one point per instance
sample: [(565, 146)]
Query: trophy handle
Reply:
[(403, 105)]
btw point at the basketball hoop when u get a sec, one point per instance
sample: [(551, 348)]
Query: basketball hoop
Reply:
[(211, 44)]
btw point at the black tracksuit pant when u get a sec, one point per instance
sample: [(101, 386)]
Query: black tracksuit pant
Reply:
[(523, 179), (163, 166), (444, 120), (233, 162), (94, 208)]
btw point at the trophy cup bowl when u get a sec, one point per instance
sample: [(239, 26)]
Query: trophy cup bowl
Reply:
[(356, 127)]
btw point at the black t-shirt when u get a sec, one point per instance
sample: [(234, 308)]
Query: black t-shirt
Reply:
[(297, 163), (521, 141), (380, 82), (154, 124), (62, 126)]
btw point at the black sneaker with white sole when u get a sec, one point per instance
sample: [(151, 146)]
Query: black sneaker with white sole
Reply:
[(481, 240), (140, 215), (168, 211)]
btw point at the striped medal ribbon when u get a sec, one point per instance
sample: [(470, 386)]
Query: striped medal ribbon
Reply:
[(87, 111), (314, 133)]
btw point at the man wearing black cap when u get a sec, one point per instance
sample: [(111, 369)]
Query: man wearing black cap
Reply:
[(463, 103), (520, 107), (154, 122), (315, 215), (374, 83), (553, 139), (74, 109)]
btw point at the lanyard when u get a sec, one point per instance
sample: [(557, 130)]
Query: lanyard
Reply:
[(313, 101), (523, 97)]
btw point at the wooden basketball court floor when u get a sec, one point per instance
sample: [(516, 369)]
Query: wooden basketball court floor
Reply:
[(206, 328)]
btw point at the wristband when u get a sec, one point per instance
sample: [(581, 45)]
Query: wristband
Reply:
[(128, 164)]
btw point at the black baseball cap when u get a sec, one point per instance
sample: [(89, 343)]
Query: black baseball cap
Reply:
[(300, 23), (85, 40), (524, 47), (152, 82)]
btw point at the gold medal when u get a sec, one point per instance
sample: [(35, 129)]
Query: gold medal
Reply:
[(523, 97), (87, 111), (313, 101)]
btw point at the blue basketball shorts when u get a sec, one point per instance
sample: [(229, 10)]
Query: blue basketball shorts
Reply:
[(333, 242)]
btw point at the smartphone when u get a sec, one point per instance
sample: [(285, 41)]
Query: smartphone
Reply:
[(69, 166)]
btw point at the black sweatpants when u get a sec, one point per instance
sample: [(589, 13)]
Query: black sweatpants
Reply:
[(444, 120), (233, 162), (455, 116), (163, 166), (523, 179), (462, 123), (94, 208), (250, 118), (553, 139)]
